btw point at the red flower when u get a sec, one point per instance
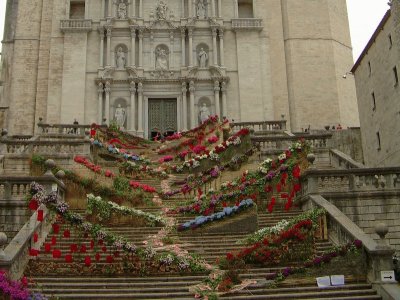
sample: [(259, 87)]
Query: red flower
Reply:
[(268, 188), (97, 257), (108, 173), (47, 248), (40, 215), (33, 205), (109, 259), (35, 237), (297, 187), (104, 249), (68, 258), (33, 252), (224, 204), (67, 233), (53, 240), (278, 188), (296, 171), (74, 248), (88, 261), (100, 242), (56, 228), (56, 253), (83, 249), (230, 256), (91, 244), (116, 254)]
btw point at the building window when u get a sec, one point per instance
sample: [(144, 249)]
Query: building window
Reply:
[(396, 77), (77, 9), (369, 68), (373, 101), (245, 9), (378, 140), (390, 41)]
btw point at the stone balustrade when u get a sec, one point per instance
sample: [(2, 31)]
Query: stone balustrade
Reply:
[(278, 143), (339, 160), (247, 24), (46, 147), (351, 180), (13, 191), (75, 25), (342, 230), (63, 129), (260, 126)]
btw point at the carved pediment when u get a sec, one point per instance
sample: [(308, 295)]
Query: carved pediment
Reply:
[(162, 25)]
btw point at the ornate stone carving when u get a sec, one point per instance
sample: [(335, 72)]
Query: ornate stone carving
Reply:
[(184, 87), (120, 116), (192, 88), (161, 10), (121, 9), (201, 9), (204, 113), (120, 58), (108, 30), (216, 86), (223, 87), (161, 59), (100, 88), (203, 58), (132, 87), (140, 87), (107, 87)]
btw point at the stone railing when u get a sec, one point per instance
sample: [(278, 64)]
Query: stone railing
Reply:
[(46, 147), (247, 24), (16, 254), (342, 230), (63, 129), (339, 160), (274, 143), (260, 126), (352, 180), (75, 25)]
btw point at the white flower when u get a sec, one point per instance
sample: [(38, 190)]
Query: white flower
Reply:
[(282, 156)]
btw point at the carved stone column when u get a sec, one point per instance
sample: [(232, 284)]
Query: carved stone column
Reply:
[(103, 8), (107, 89), (184, 106), (109, 10), (219, 9), (133, 45), (133, 9), (221, 46), (140, 8), (224, 100), (132, 89), (101, 33), (183, 46), (213, 8), (171, 50), (192, 89), (190, 8), (215, 52), (140, 46), (140, 108), (100, 91), (190, 32), (109, 32), (216, 98)]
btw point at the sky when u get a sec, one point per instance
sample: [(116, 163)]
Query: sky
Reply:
[(364, 17)]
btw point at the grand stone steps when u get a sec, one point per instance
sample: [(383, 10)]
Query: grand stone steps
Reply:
[(177, 287)]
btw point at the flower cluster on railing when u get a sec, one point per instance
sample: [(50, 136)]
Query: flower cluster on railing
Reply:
[(226, 212), (91, 166)]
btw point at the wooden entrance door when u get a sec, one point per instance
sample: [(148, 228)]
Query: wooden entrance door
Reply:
[(162, 117)]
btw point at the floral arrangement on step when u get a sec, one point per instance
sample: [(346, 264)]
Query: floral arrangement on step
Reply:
[(101, 242), (17, 289), (91, 185), (114, 136), (120, 152), (103, 209), (225, 213), (282, 225)]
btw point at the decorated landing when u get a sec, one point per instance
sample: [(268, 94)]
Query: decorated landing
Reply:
[(190, 216)]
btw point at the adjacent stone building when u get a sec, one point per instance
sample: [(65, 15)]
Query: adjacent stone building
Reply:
[(162, 65), (377, 81)]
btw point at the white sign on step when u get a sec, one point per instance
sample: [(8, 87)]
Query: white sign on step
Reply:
[(323, 282), (387, 276), (337, 280), (54, 187)]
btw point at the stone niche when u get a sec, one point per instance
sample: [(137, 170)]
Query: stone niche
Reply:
[(77, 9)]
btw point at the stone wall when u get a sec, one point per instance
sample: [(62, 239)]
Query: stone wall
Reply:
[(369, 209), (375, 79), (13, 215), (349, 142)]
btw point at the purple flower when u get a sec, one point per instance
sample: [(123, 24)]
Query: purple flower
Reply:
[(317, 261), (358, 244)]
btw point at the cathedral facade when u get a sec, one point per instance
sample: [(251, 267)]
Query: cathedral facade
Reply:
[(164, 65)]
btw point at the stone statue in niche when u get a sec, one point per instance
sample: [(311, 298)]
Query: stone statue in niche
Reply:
[(161, 59), (204, 113), (161, 10), (121, 9), (203, 58), (201, 9), (120, 58), (120, 116)]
